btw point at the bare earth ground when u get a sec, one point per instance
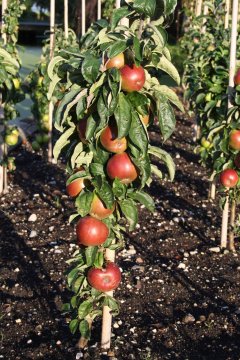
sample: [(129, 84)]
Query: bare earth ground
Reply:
[(179, 299)]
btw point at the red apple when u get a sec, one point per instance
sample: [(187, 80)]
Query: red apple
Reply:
[(234, 139), (237, 161), (237, 78), (98, 209), (133, 78), (75, 187), (120, 166), (91, 231), (117, 62), (110, 141), (105, 279), (229, 178)]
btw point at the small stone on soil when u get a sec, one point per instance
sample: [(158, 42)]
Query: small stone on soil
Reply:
[(189, 318), (33, 234), (215, 249), (32, 218)]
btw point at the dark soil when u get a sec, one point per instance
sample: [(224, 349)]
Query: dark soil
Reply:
[(179, 299)]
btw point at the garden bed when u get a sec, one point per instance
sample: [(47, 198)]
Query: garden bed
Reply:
[(179, 295)]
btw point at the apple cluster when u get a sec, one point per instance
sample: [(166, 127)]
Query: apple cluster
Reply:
[(91, 230)]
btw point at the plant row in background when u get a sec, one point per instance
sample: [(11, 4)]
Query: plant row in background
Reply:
[(10, 83), (206, 80)]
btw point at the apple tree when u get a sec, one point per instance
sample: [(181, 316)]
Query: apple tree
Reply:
[(113, 93)]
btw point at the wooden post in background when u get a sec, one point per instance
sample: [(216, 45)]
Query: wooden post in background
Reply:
[(99, 9), (51, 108), (227, 10), (233, 50), (198, 9), (66, 19), (205, 13), (83, 17)]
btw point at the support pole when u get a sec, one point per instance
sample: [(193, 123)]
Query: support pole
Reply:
[(50, 109), (232, 226), (205, 13), (83, 17), (233, 49), (66, 19), (107, 316)]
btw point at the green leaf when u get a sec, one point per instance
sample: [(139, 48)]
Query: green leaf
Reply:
[(62, 142), (90, 68), (165, 115), (69, 100), (84, 309), (117, 15), (117, 48), (73, 326), (123, 115), (83, 202), (169, 6), (171, 95), (72, 275), (52, 65), (84, 329), (112, 304), (104, 191), (99, 260), (137, 134), (145, 7), (137, 99), (166, 158), (129, 210), (77, 151), (166, 65), (119, 189), (143, 198), (77, 284), (97, 169), (90, 253)]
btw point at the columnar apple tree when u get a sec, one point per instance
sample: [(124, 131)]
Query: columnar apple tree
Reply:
[(113, 93), (10, 83)]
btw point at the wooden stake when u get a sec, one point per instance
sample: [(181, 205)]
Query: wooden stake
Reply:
[(83, 17), (50, 107), (233, 49), (224, 231), (99, 12), (232, 225), (66, 19), (212, 192), (227, 10), (107, 316)]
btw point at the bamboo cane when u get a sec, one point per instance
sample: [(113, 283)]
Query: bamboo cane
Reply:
[(99, 11), (233, 50), (66, 19), (83, 17), (50, 108)]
